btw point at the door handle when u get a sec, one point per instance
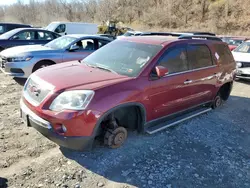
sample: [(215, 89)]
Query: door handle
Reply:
[(188, 81)]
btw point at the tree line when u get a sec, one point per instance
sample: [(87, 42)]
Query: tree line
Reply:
[(221, 16)]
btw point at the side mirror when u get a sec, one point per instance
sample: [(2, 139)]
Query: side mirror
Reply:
[(74, 48), (15, 38), (161, 71)]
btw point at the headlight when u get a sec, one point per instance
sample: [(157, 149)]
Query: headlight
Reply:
[(72, 100), (19, 59), (239, 64)]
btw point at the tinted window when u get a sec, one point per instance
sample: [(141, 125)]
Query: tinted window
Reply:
[(25, 35), (223, 54), (175, 60), (44, 35), (2, 29), (61, 28), (102, 43), (199, 56)]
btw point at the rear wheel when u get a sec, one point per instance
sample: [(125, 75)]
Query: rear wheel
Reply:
[(42, 64), (217, 101)]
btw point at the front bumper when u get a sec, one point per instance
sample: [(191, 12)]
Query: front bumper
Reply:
[(45, 128), (243, 73), (25, 67)]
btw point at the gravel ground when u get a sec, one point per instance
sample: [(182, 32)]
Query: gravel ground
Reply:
[(209, 151)]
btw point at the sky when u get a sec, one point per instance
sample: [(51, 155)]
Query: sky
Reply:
[(9, 2)]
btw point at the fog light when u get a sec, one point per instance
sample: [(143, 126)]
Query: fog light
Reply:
[(64, 129)]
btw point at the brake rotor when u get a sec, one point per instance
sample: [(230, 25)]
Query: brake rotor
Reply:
[(116, 137)]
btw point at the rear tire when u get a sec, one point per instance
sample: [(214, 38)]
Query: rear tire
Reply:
[(42, 64), (217, 101)]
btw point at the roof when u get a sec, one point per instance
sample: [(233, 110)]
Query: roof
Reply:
[(9, 23), (156, 40), (161, 40), (85, 35)]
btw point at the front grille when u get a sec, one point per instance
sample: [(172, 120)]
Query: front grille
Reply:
[(35, 92), (245, 64), (3, 61)]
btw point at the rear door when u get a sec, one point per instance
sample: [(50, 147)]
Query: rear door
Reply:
[(204, 73), (44, 37), (25, 37)]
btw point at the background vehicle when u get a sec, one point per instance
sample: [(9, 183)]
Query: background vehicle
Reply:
[(5, 27), (26, 36), (242, 57), (234, 42), (148, 84), (67, 28), (111, 28), (21, 61), (130, 33)]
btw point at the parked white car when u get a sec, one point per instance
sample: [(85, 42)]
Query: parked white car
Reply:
[(67, 28), (242, 57)]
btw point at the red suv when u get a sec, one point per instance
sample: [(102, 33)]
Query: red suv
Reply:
[(136, 83)]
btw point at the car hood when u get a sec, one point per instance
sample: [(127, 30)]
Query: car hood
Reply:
[(74, 75), (27, 49), (242, 57)]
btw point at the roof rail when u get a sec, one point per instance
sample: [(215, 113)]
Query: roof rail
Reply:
[(203, 37)]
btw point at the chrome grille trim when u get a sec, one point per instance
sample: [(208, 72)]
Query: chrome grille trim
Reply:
[(45, 90)]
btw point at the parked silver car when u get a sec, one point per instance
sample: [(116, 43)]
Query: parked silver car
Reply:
[(21, 61)]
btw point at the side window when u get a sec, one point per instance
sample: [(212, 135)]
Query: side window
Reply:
[(44, 35), (102, 43), (199, 56), (2, 30), (25, 35), (61, 28), (223, 54), (85, 44), (175, 60)]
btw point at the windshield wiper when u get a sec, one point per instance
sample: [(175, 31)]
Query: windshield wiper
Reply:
[(105, 68)]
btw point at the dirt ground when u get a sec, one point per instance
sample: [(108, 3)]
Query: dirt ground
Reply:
[(212, 150)]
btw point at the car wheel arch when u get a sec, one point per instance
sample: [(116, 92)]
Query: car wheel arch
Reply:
[(42, 61), (142, 114)]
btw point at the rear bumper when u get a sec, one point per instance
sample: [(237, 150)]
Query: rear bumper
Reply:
[(45, 128)]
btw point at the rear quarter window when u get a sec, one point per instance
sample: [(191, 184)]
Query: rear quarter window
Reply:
[(223, 54)]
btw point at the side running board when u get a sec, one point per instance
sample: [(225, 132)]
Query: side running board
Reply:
[(179, 119)]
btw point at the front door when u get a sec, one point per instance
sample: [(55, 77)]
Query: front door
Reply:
[(86, 47), (172, 93)]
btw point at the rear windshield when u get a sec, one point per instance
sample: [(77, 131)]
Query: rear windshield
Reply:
[(244, 48), (123, 57)]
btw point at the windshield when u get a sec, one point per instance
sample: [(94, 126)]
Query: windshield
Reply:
[(235, 42), (128, 34), (244, 48), (123, 57), (61, 42), (9, 34)]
